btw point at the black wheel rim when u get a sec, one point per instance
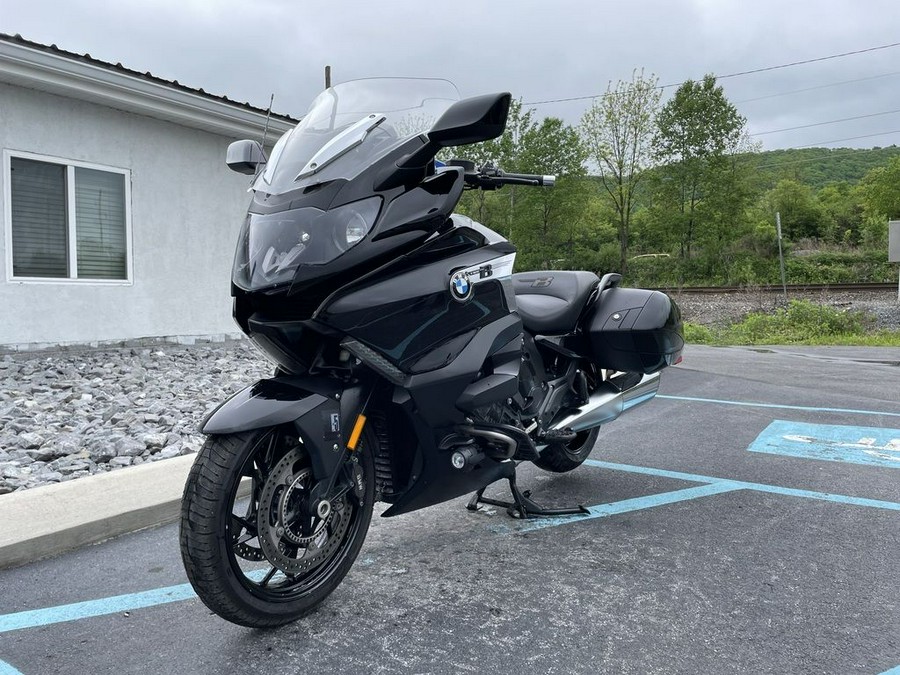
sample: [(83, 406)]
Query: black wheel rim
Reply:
[(257, 574)]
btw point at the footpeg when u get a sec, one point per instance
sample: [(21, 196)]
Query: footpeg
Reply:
[(559, 436)]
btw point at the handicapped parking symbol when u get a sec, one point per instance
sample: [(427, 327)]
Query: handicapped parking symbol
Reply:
[(835, 443)]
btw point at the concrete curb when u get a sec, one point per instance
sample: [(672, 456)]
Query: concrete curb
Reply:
[(49, 520)]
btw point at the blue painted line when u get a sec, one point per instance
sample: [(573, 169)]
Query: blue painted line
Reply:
[(758, 487), (35, 618), (91, 608), (6, 669), (649, 471), (778, 405), (892, 671), (629, 505), (856, 445)]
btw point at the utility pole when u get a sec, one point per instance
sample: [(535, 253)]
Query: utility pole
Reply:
[(780, 253), (327, 76), (894, 247)]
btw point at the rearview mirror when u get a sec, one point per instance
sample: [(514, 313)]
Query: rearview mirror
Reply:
[(245, 156), (471, 120)]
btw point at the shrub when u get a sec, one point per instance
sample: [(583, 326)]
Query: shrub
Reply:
[(800, 321), (698, 334)]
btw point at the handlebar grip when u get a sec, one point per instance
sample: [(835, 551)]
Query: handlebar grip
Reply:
[(546, 181)]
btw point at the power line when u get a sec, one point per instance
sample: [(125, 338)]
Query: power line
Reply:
[(851, 138), (821, 86), (738, 74), (800, 63), (820, 124)]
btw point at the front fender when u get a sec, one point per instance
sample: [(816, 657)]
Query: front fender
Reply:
[(320, 409), (268, 403)]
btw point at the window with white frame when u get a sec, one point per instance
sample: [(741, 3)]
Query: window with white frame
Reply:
[(67, 220)]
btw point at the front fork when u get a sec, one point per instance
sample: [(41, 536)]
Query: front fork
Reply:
[(339, 475)]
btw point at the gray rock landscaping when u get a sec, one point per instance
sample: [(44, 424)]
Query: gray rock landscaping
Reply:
[(69, 414)]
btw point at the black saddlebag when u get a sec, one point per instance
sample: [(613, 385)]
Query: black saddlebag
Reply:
[(634, 330)]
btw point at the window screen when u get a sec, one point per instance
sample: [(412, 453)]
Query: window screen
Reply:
[(49, 220)]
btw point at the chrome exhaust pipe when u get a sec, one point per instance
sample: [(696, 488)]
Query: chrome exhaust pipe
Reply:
[(606, 404), (497, 437)]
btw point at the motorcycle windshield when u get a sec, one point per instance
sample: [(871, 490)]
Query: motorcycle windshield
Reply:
[(347, 128), (351, 125)]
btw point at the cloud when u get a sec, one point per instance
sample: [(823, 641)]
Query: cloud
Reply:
[(536, 50)]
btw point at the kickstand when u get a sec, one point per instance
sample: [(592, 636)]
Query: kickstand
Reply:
[(522, 506)]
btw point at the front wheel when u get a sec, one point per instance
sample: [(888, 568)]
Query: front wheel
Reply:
[(253, 549), (562, 457)]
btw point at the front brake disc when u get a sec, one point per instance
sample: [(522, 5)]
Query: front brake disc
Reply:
[(291, 539)]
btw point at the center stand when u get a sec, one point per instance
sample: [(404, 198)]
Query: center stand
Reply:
[(521, 506)]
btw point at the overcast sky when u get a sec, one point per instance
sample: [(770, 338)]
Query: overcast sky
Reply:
[(250, 49)]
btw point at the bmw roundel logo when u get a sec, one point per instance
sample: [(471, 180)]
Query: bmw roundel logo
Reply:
[(460, 288)]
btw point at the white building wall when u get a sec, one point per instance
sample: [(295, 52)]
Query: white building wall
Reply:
[(186, 210)]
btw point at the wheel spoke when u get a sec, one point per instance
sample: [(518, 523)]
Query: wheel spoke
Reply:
[(246, 524), (306, 526), (270, 450), (266, 579)]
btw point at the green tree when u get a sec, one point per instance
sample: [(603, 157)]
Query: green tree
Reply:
[(880, 191), (497, 209), (698, 133), (617, 131), (549, 221), (842, 211), (548, 225), (801, 214)]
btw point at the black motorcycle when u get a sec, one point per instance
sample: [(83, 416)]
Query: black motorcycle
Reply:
[(412, 365)]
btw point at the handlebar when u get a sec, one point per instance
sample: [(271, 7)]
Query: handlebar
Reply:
[(526, 179), (490, 177)]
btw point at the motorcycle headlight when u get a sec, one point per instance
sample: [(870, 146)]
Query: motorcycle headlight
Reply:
[(357, 228), (273, 246), (353, 222)]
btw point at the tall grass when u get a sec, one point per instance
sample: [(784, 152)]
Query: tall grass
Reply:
[(801, 322)]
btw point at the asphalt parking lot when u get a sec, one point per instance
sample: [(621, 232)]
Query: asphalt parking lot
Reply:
[(747, 520)]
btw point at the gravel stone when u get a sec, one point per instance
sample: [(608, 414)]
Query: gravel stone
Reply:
[(45, 454), (168, 453), (154, 441), (129, 447), (30, 440), (73, 413)]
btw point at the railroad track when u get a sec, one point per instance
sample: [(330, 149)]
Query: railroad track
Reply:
[(777, 288)]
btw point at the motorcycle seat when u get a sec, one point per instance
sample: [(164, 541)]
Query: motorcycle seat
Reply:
[(551, 301)]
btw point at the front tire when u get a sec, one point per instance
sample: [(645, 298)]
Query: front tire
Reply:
[(260, 560), (562, 457)]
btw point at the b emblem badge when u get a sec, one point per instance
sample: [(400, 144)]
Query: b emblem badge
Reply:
[(460, 288)]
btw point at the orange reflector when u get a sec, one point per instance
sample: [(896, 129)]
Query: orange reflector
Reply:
[(357, 432)]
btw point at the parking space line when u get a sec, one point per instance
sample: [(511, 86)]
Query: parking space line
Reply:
[(758, 487), (35, 618), (752, 404), (892, 671), (6, 669), (629, 505), (91, 608)]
